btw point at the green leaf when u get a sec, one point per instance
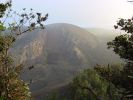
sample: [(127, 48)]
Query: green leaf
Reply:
[(2, 98), (2, 28)]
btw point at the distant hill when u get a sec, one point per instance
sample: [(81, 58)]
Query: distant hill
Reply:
[(58, 53)]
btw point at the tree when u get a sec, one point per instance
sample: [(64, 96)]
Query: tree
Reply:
[(11, 86), (113, 75), (123, 46), (89, 85)]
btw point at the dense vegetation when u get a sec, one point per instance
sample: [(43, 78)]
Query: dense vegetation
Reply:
[(89, 85)]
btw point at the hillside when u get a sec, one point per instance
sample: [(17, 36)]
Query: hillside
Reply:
[(58, 53)]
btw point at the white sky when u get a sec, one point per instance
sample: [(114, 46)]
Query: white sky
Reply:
[(85, 13)]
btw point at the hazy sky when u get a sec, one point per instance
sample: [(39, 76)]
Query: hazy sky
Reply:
[(85, 13)]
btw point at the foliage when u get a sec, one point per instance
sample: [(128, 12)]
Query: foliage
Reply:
[(89, 85), (54, 96), (123, 46), (103, 83), (119, 77), (4, 7), (11, 86), (110, 73)]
